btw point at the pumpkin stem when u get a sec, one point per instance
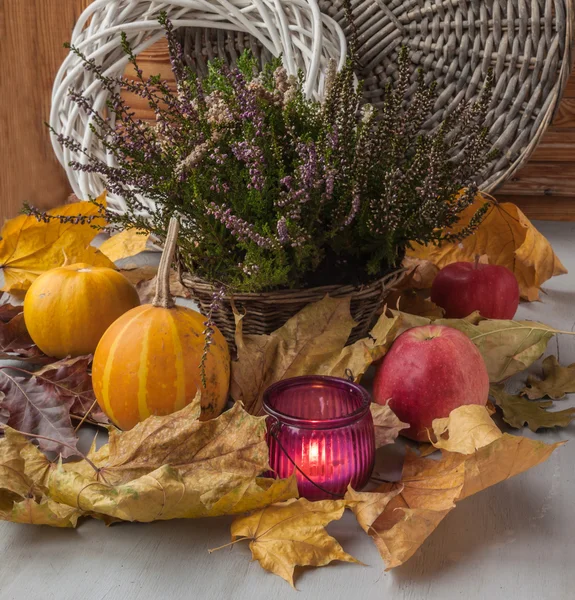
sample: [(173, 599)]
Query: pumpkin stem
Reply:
[(163, 297)]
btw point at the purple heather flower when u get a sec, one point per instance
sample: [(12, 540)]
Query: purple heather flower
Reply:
[(241, 229), (283, 234)]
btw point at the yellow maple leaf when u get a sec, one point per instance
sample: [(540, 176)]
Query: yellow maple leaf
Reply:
[(283, 536), (125, 244), (175, 466), (410, 510), (23, 497), (507, 238), (310, 343), (29, 247)]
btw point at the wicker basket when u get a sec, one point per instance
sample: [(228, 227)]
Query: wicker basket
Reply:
[(456, 42), (526, 42), (268, 311)]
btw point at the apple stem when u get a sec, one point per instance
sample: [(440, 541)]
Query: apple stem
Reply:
[(477, 257)]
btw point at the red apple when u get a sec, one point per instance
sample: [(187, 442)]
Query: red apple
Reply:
[(462, 288), (428, 372)]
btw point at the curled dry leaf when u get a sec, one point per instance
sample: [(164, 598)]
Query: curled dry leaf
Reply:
[(518, 411), (125, 244), (22, 493), (465, 430), (387, 425), (29, 247), (429, 488), (15, 340), (557, 381), (175, 467), (508, 238), (419, 273), (292, 534), (147, 287)]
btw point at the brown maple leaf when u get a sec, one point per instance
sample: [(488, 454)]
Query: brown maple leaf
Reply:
[(28, 408)]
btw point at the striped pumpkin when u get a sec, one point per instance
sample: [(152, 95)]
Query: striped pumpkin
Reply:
[(149, 362)]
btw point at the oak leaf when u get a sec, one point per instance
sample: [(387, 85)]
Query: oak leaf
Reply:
[(175, 466), (283, 536), (429, 489), (518, 411), (557, 381), (29, 247), (125, 244), (508, 238)]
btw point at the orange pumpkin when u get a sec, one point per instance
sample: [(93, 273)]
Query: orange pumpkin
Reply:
[(68, 309), (149, 361)]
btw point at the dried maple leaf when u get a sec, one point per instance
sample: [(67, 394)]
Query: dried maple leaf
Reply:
[(508, 238), (29, 247), (71, 381), (147, 287), (419, 273), (291, 534), (465, 430), (307, 341), (175, 467), (14, 338), (22, 495), (429, 488), (387, 425), (31, 410), (518, 411), (557, 381), (356, 358), (125, 244)]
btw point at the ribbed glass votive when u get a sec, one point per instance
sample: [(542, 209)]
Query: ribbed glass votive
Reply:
[(324, 426)]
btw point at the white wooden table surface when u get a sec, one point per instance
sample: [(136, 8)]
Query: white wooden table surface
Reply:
[(515, 540)]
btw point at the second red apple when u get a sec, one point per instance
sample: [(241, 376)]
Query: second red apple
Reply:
[(462, 288)]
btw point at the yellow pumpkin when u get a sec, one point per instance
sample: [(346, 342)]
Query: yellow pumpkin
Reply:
[(68, 309), (149, 361)]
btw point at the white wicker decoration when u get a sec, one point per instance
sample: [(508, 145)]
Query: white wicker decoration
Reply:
[(297, 29)]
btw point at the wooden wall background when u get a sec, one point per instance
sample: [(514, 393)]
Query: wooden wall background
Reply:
[(31, 36)]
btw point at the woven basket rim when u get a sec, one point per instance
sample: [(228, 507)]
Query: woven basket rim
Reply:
[(197, 283)]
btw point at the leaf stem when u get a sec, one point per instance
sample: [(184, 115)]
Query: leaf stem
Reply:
[(163, 297), (88, 412), (243, 539)]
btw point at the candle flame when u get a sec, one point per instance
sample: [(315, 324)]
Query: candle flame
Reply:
[(313, 452)]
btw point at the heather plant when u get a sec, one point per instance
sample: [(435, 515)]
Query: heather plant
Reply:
[(275, 190)]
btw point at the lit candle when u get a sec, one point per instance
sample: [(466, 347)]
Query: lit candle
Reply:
[(323, 426)]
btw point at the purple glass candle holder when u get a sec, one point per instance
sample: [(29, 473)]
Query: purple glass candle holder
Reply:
[(324, 425)]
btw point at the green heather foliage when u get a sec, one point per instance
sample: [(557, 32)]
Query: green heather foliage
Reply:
[(274, 190)]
